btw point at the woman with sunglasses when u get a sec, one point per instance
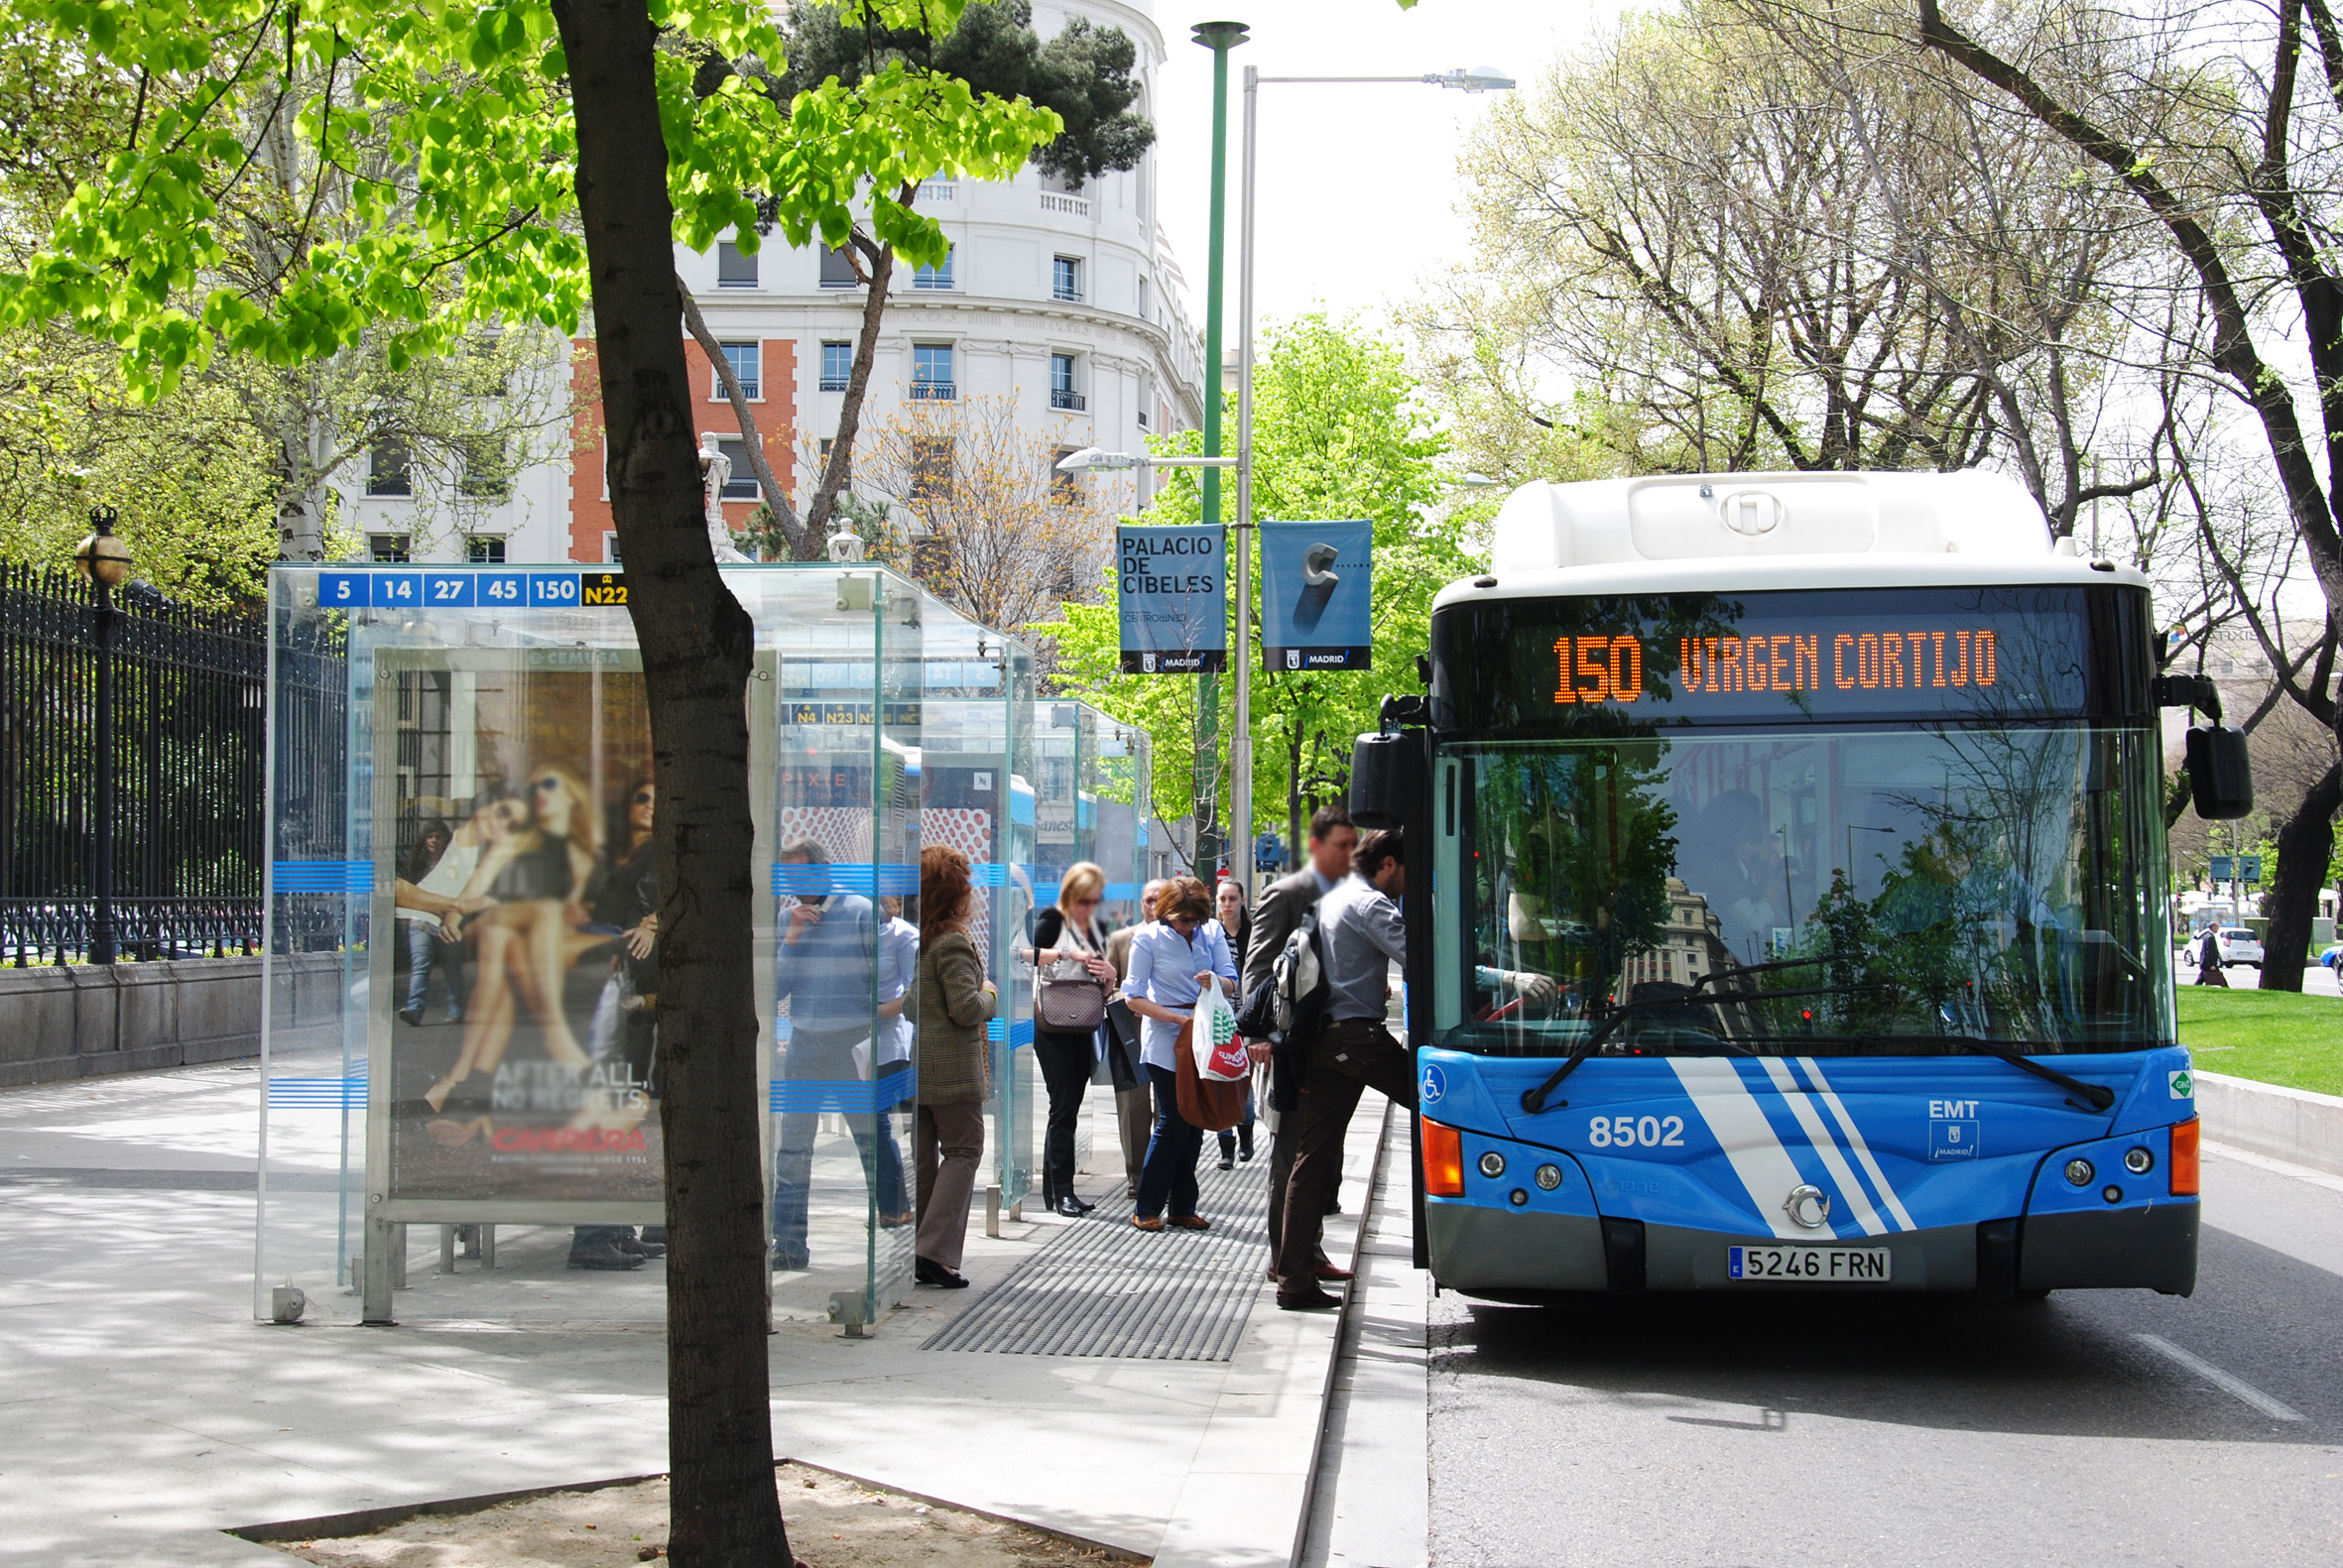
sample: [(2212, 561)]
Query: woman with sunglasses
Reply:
[(1173, 959), (1068, 949), (527, 925)]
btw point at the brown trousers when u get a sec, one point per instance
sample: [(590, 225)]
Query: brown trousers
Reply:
[(1135, 1118), (950, 1145), (1344, 1059)]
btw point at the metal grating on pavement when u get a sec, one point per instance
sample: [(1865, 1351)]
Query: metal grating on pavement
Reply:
[(1101, 1288)]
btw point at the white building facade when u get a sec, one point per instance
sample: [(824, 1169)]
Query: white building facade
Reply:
[(1067, 301)]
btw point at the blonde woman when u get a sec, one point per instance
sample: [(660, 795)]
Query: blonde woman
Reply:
[(955, 1002), (1068, 947), (524, 916)]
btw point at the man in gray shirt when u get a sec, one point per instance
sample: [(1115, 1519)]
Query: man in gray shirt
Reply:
[(1334, 841), (1359, 922)]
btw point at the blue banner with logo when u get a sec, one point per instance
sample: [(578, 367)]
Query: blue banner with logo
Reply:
[(1174, 592), (1317, 595)]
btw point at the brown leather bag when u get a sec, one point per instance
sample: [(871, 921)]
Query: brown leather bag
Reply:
[(1204, 1102)]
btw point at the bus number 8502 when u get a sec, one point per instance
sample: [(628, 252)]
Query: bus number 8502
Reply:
[(1626, 1132)]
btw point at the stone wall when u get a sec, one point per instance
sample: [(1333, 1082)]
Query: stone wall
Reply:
[(83, 1020)]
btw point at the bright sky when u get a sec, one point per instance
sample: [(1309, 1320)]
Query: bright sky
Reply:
[(1357, 193)]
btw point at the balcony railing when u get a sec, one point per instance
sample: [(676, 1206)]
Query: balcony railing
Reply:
[(939, 191), (1059, 201), (1059, 398), (929, 278), (833, 382), (933, 392), (1071, 292)]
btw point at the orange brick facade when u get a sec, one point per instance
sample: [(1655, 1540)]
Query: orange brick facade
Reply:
[(590, 523)]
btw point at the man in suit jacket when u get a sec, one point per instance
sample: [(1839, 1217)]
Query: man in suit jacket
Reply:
[(1332, 841), (1135, 1110)]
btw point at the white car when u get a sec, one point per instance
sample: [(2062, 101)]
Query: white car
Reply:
[(2237, 946)]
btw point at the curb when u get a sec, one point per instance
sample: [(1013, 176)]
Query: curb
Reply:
[(1246, 1501), (2292, 1125)]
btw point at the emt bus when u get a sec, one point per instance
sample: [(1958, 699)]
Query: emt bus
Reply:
[(1798, 914)]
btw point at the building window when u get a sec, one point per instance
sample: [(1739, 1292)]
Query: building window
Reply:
[(837, 366), (484, 550), (932, 468), (1143, 315), (610, 546), (741, 485), (388, 470), (733, 269), (935, 277), (1064, 488), (846, 476), (390, 549), (748, 363), (1065, 278), (487, 470), (837, 269), (932, 373), (1062, 383)]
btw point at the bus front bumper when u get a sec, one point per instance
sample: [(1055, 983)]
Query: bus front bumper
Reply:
[(1507, 1255)]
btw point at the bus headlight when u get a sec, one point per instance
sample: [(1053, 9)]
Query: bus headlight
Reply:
[(2079, 1172), (1549, 1177), (1492, 1164), (2139, 1161)]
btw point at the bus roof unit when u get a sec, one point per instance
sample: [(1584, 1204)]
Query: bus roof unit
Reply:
[(1723, 517)]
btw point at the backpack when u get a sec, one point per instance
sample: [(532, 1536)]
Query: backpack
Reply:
[(1298, 988)]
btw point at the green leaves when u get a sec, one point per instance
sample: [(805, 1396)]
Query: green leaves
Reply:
[(306, 175)]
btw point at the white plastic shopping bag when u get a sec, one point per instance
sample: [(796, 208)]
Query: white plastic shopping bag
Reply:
[(1220, 1056)]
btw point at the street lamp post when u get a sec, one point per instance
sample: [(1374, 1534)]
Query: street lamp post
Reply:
[(1480, 79), (105, 561), (1219, 38)]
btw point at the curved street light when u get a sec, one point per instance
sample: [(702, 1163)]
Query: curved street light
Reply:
[(105, 561)]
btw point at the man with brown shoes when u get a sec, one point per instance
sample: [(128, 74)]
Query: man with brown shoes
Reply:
[(1333, 840), (1359, 923)]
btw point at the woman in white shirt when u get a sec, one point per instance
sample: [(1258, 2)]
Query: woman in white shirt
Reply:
[(1173, 958)]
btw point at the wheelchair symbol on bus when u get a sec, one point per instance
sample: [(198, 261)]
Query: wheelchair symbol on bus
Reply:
[(1436, 1084)]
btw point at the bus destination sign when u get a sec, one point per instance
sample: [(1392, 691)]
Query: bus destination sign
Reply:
[(1981, 654), (1609, 668)]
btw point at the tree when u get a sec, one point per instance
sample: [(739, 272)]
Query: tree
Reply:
[(1339, 432), (1737, 244), (2211, 132), (1083, 75), (994, 530), (510, 162)]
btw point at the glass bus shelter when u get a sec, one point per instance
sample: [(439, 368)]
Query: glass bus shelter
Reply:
[(460, 1074)]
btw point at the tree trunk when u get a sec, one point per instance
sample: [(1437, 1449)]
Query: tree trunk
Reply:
[(696, 643), (775, 499), (859, 380), (2303, 847), (300, 499)]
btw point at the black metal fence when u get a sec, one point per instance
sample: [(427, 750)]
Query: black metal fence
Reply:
[(191, 704)]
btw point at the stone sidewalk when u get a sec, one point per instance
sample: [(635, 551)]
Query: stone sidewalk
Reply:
[(144, 1412)]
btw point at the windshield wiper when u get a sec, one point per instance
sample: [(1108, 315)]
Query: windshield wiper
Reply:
[(1533, 1101), (2101, 1097)]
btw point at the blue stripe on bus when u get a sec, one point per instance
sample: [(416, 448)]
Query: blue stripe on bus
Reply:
[(318, 1093)]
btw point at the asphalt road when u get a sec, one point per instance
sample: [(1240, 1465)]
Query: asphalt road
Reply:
[(2094, 1427)]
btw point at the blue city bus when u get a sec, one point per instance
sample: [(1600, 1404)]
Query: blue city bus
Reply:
[(1797, 906)]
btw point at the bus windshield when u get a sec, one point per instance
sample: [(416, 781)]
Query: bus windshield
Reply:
[(1887, 890)]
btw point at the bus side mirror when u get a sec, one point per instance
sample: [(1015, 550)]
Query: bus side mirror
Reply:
[(2220, 779), (1379, 779)]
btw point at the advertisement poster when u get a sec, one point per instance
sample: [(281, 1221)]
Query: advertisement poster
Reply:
[(1173, 592), (521, 975), (1317, 595)]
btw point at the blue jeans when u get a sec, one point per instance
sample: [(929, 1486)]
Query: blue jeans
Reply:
[(426, 948), (817, 1058), (1170, 1174)]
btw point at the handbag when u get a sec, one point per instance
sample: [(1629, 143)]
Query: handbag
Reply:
[(1121, 1045), (1074, 1004), (1215, 1107)]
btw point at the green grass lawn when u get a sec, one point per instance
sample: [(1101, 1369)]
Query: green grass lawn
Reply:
[(2272, 1035)]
